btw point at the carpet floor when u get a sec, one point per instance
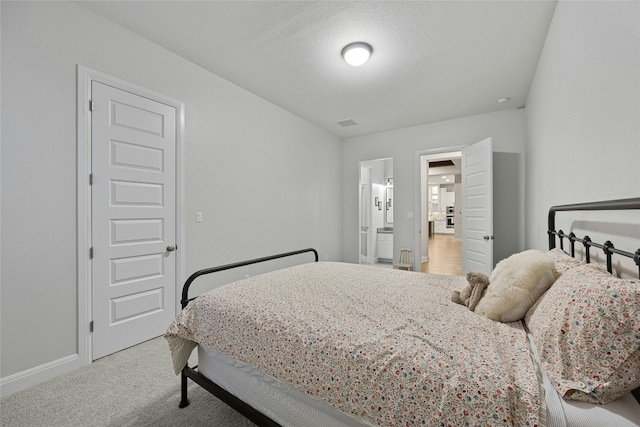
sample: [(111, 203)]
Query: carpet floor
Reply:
[(133, 387)]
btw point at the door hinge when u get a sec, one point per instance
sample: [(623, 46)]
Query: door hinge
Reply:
[(90, 179), (91, 326), (91, 253), (91, 105)]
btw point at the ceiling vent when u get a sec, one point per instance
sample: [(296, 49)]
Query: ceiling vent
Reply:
[(347, 122)]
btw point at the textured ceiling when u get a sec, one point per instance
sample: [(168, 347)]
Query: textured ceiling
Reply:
[(432, 60)]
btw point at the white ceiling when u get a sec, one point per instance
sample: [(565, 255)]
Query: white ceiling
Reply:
[(432, 60)]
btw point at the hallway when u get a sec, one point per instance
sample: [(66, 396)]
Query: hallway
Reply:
[(445, 256)]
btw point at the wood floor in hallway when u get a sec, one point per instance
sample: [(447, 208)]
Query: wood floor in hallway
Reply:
[(445, 256)]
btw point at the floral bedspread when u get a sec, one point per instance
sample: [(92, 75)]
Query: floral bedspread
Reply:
[(384, 345)]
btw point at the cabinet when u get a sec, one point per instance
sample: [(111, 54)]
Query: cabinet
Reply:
[(385, 246), (434, 198), (441, 227), (448, 199)]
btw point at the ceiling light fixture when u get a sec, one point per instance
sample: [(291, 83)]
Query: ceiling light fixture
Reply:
[(503, 100), (357, 53)]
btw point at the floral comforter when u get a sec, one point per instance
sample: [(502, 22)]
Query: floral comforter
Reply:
[(386, 346)]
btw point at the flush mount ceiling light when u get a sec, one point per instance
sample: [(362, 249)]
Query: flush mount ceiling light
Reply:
[(357, 53)]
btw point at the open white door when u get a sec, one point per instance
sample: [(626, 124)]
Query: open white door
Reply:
[(477, 207)]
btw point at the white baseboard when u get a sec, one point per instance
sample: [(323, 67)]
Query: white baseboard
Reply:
[(25, 379)]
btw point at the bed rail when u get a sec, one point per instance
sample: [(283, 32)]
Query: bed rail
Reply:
[(192, 371), (185, 288), (607, 247)]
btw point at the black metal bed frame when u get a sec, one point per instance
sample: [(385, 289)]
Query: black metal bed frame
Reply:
[(263, 420), (607, 247), (192, 372)]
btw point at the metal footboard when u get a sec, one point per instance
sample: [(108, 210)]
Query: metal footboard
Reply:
[(192, 372)]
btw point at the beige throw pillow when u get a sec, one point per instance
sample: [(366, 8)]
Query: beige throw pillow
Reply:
[(516, 284)]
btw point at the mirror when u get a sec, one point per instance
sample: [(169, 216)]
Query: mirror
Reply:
[(389, 205)]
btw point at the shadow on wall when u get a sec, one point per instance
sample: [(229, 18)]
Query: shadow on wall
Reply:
[(508, 224), (623, 235)]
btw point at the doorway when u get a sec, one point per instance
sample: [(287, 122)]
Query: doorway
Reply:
[(475, 213), (441, 195), (130, 236), (376, 212)]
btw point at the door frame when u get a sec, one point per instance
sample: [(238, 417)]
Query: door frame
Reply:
[(417, 244), (370, 258), (85, 76)]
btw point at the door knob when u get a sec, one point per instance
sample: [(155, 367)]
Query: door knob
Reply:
[(171, 248)]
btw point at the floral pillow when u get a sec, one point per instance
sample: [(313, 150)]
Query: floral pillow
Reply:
[(587, 331), (563, 261)]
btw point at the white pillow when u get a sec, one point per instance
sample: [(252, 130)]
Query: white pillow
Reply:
[(515, 285)]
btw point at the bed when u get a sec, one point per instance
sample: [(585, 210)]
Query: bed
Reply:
[(325, 343)]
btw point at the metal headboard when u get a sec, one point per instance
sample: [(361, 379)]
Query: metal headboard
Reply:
[(607, 247)]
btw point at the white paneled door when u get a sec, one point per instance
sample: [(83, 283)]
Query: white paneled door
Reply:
[(477, 207), (133, 229)]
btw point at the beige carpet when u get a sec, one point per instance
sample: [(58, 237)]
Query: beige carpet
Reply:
[(134, 387)]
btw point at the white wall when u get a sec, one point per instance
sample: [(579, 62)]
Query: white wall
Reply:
[(265, 180), (583, 116), (508, 131)]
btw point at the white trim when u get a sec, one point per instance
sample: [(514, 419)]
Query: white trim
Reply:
[(84, 78), (25, 379), (417, 202), (180, 205), (83, 219)]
